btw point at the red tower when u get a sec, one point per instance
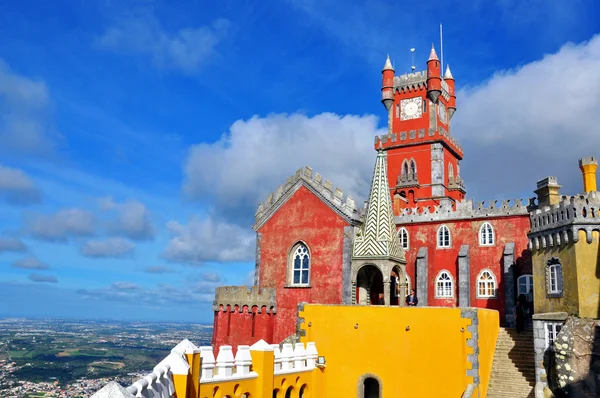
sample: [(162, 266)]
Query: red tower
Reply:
[(423, 158)]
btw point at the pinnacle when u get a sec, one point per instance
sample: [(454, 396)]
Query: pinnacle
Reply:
[(448, 74), (433, 54), (388, 64)]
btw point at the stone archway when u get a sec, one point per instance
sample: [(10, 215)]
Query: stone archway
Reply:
[(369, 386), (369, 285)]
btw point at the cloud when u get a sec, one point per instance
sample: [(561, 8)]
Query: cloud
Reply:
[(30, 263), (125, 286), (17, 188), (186, 50), (203, 240), (259, 154), (8, 244), (527, 123), (58, 227), (111, 247), (160, 296), (157, 269), (26, 122), (42, 278), (211, 277), (132, 219)]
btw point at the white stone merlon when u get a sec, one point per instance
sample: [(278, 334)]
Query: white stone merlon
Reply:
[(344, 206)]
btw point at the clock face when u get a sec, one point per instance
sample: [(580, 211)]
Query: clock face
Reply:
[(412, 108), (442, 113)]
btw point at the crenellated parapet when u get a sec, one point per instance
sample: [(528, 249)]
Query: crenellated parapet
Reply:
[(559, 223), (410, 82), (465, 209), (245, 299), (421, 136), (344, 205)]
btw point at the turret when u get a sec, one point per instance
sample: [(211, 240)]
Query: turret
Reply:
[(588, 168), (434, 76), (387, 85), (449, 79)]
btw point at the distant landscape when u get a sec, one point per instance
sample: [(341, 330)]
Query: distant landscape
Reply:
[(76, 358)]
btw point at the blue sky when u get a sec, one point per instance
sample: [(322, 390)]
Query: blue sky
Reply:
[(138, 137)]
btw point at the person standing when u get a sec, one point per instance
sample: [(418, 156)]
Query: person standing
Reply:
[(411, 299), (520, 315)]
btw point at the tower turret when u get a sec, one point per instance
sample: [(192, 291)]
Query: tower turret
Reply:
[(588, 168), (387, 84), (434, 76), (449, 79)]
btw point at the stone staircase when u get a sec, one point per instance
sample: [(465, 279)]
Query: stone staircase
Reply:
[(513, 370)]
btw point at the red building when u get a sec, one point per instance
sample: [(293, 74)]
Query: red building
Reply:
[(457, 253)]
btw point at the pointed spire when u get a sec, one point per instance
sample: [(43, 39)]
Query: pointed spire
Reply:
[(388, 64), (378, 237), (433, 54), (448, 74)]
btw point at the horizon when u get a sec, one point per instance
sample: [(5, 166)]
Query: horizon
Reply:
[(138, 139)]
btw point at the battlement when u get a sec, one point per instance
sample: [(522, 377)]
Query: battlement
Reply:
[(410, 81), (420, 135), (465, 209), (255, 371), (245, 299), (323, 188), (547, 182)]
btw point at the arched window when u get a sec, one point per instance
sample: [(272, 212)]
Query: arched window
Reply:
[(486, 284), (554, 278), (486, 234), (450, 173), (300, 265), (443, 236), (444, 285), (413, 169), (405, 169), (403, 235), (407, 285), (524, 284)]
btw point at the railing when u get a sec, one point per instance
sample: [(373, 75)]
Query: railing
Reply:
[(255, 371)]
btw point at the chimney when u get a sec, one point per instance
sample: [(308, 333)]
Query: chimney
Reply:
[(588, 168), (547, 192)]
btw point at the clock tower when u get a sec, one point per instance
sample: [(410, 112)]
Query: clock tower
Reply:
[(423, 157)]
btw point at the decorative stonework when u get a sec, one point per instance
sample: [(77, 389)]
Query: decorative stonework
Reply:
[(241, 296), (323, 189), (473, 343), (410, 82)]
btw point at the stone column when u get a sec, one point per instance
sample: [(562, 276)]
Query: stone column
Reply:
[(386, 293), (402, 296), (257, 264), (348, 288), (464, 277), (422, 279), (508, 277)]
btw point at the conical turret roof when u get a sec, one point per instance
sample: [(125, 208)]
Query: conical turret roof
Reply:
[(388, 64), (378, 237), (448, 74), (433, 55)]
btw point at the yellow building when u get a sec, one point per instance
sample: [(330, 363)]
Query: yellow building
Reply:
[(564, 241)]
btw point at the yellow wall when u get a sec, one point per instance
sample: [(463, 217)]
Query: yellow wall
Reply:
[(429, 360), (588, 274)]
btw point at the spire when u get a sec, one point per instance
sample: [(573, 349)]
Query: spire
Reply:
[(378, 237), (388, 64), (433, 54), (448, 74)]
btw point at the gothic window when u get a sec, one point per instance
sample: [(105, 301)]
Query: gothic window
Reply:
[(444, 285), (403, 235), (450, 173), (443, 237), (405, 168), (300, 265), (524, 284), (554, 278), (486, 284), (413, 170), (486, 234), (398, 110)]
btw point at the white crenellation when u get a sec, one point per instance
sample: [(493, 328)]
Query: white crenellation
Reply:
[(278, 358), (311, 355), (243, 360), (287, 357), (225, 361), (559, 224), (299, 356), (315, 182), (208, 363)]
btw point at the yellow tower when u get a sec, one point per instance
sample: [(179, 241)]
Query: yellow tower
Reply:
[(588, 168)]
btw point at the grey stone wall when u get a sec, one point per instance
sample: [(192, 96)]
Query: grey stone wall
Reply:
[(347, 291), (471, 313), (257, 260), (242, 296), (464, 277), (508, 277), (422, 282), (437, 169)]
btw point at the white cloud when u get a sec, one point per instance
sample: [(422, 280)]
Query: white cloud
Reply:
[(42, 278), (257, 155), (16, 187), (111, 247), (159, 297), (203, 240), (26, 123), (124, 286), (524, 124), (8, 244), (30, 263), (65, 223), (132, 219), (157, 269), (186, 50)]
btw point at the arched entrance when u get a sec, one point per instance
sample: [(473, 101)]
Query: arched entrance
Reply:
[(369, 285), (371, 386)]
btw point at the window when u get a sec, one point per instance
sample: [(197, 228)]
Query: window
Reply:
[(300, 265), (444, 285), (413, 169), (486, 284), (486, 234), (443, 237), (407, 285), (403, 235), (405, 169), (450, 172), (552, 329), (398, 110), (554, 278), (524, 284)]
